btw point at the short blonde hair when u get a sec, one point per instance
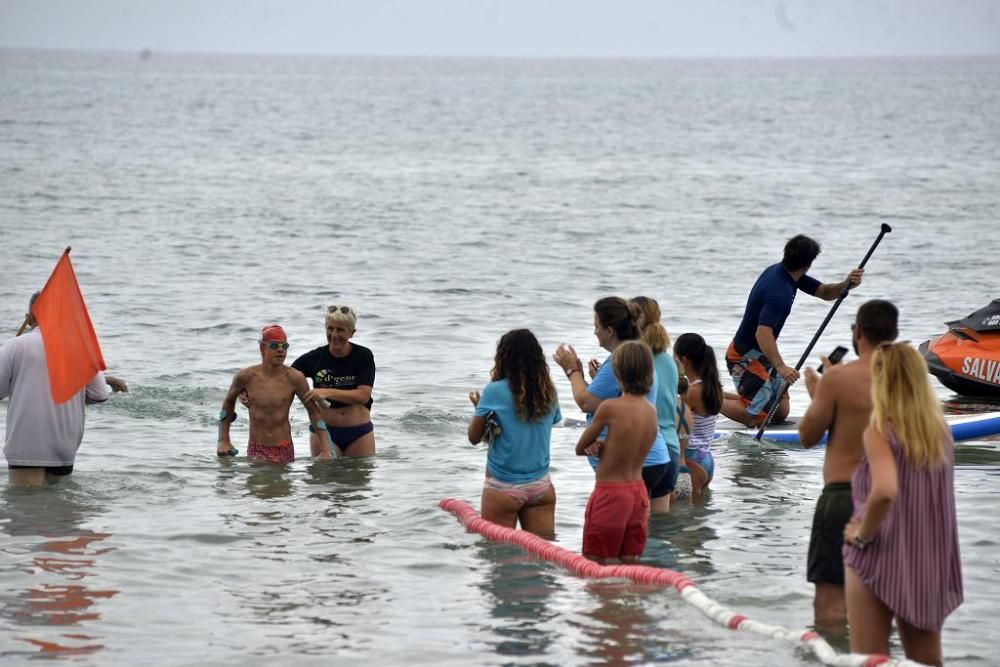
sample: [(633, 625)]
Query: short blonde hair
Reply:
[(345, 314)]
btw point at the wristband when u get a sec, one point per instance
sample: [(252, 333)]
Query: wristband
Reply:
[(570, 372)]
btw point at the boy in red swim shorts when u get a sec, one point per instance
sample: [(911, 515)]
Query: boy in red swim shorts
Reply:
[(614, 529), (271, 387)]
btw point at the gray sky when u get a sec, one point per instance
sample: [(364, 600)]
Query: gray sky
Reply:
[(656, 28)]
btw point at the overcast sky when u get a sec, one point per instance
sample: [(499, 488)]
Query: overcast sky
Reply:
[(643, 28)]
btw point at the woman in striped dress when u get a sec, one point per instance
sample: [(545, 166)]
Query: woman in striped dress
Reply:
[(901, 547)]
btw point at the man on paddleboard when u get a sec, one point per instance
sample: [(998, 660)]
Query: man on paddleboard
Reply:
[(753, 359), (841, 405)]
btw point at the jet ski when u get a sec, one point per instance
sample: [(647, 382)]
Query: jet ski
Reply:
[(966, 358)]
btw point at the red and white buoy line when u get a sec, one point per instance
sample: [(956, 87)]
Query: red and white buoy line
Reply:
[(645, 574)]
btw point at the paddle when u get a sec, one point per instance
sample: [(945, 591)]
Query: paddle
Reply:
[(782, 384), (24, 325)]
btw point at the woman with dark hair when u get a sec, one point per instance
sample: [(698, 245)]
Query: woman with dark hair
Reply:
[(704, 398), (616, 321), (515, 414)]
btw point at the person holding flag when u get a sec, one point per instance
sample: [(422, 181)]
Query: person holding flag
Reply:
[(50, 374)]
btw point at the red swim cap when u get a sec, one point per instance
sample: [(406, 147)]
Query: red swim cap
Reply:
[(272, 332)]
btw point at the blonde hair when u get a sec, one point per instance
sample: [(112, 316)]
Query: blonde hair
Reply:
[(653, 334), (903, 397), (343, 314)]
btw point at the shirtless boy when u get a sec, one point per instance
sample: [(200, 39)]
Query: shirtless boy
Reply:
[(841, 404), (614, 529), (270, 386)]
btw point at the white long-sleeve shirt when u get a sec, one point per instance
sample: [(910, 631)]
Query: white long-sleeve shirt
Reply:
[(40, 433)]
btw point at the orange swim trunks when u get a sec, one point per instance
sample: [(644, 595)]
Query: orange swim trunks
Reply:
[(283, 452), (615, 521)]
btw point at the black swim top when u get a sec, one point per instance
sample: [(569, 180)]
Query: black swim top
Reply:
[(329, 372)]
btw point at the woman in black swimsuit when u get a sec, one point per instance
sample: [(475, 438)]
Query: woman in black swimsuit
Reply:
[(342, 374)]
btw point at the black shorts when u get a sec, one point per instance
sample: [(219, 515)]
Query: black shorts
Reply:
[(833, 510), (660, 479), (59, 471)]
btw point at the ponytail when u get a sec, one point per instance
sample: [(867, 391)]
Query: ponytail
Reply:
[(653, 333), (692, 346)]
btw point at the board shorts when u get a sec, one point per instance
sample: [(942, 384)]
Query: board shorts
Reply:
[(833, 511), (751, 373), (615, 521), (283, 452), (526, 493)]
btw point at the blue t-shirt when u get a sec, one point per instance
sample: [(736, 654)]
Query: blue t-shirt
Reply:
[(605, 386), (666, 401), (769, 304), (521, 453)]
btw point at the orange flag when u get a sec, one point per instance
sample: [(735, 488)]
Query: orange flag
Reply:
[(72, 352)]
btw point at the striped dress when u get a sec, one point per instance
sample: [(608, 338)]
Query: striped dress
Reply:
[(912, 566)]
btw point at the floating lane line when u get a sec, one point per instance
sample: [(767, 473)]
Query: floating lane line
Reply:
[(655, 576)]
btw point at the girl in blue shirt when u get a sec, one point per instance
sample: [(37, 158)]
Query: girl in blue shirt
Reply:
[(515, 412)]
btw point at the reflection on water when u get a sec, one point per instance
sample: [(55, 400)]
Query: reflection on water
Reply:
[(620, 629), (677, 541), (519, 587), (759, 468), (59, 556)]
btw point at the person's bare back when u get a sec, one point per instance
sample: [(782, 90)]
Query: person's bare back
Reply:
[(632, 428), (841, 406)]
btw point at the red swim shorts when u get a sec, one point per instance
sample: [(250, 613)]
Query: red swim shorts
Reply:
[(283, 452), (615, 521)]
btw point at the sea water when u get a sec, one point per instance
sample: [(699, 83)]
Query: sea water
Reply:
[(449, 201)]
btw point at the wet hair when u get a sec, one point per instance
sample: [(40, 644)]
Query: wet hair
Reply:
[(521, 361), (632, 363), (32, 300), (653, 334), (619, 315), (800, 251), (343, 314), (902, 396), (878, 321), (692, 346)]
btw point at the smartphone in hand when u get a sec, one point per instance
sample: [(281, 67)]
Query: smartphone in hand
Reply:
[(835, 356)]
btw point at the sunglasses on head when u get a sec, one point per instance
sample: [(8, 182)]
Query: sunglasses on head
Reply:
[(344, 309), (276, 344)]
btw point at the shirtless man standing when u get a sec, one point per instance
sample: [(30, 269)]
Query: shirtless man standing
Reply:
[(270, 386), (841, 404)]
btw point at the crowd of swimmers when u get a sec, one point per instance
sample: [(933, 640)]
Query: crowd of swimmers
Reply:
[(884, 542)]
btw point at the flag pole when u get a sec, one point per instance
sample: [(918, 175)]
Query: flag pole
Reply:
[(24, 324)]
